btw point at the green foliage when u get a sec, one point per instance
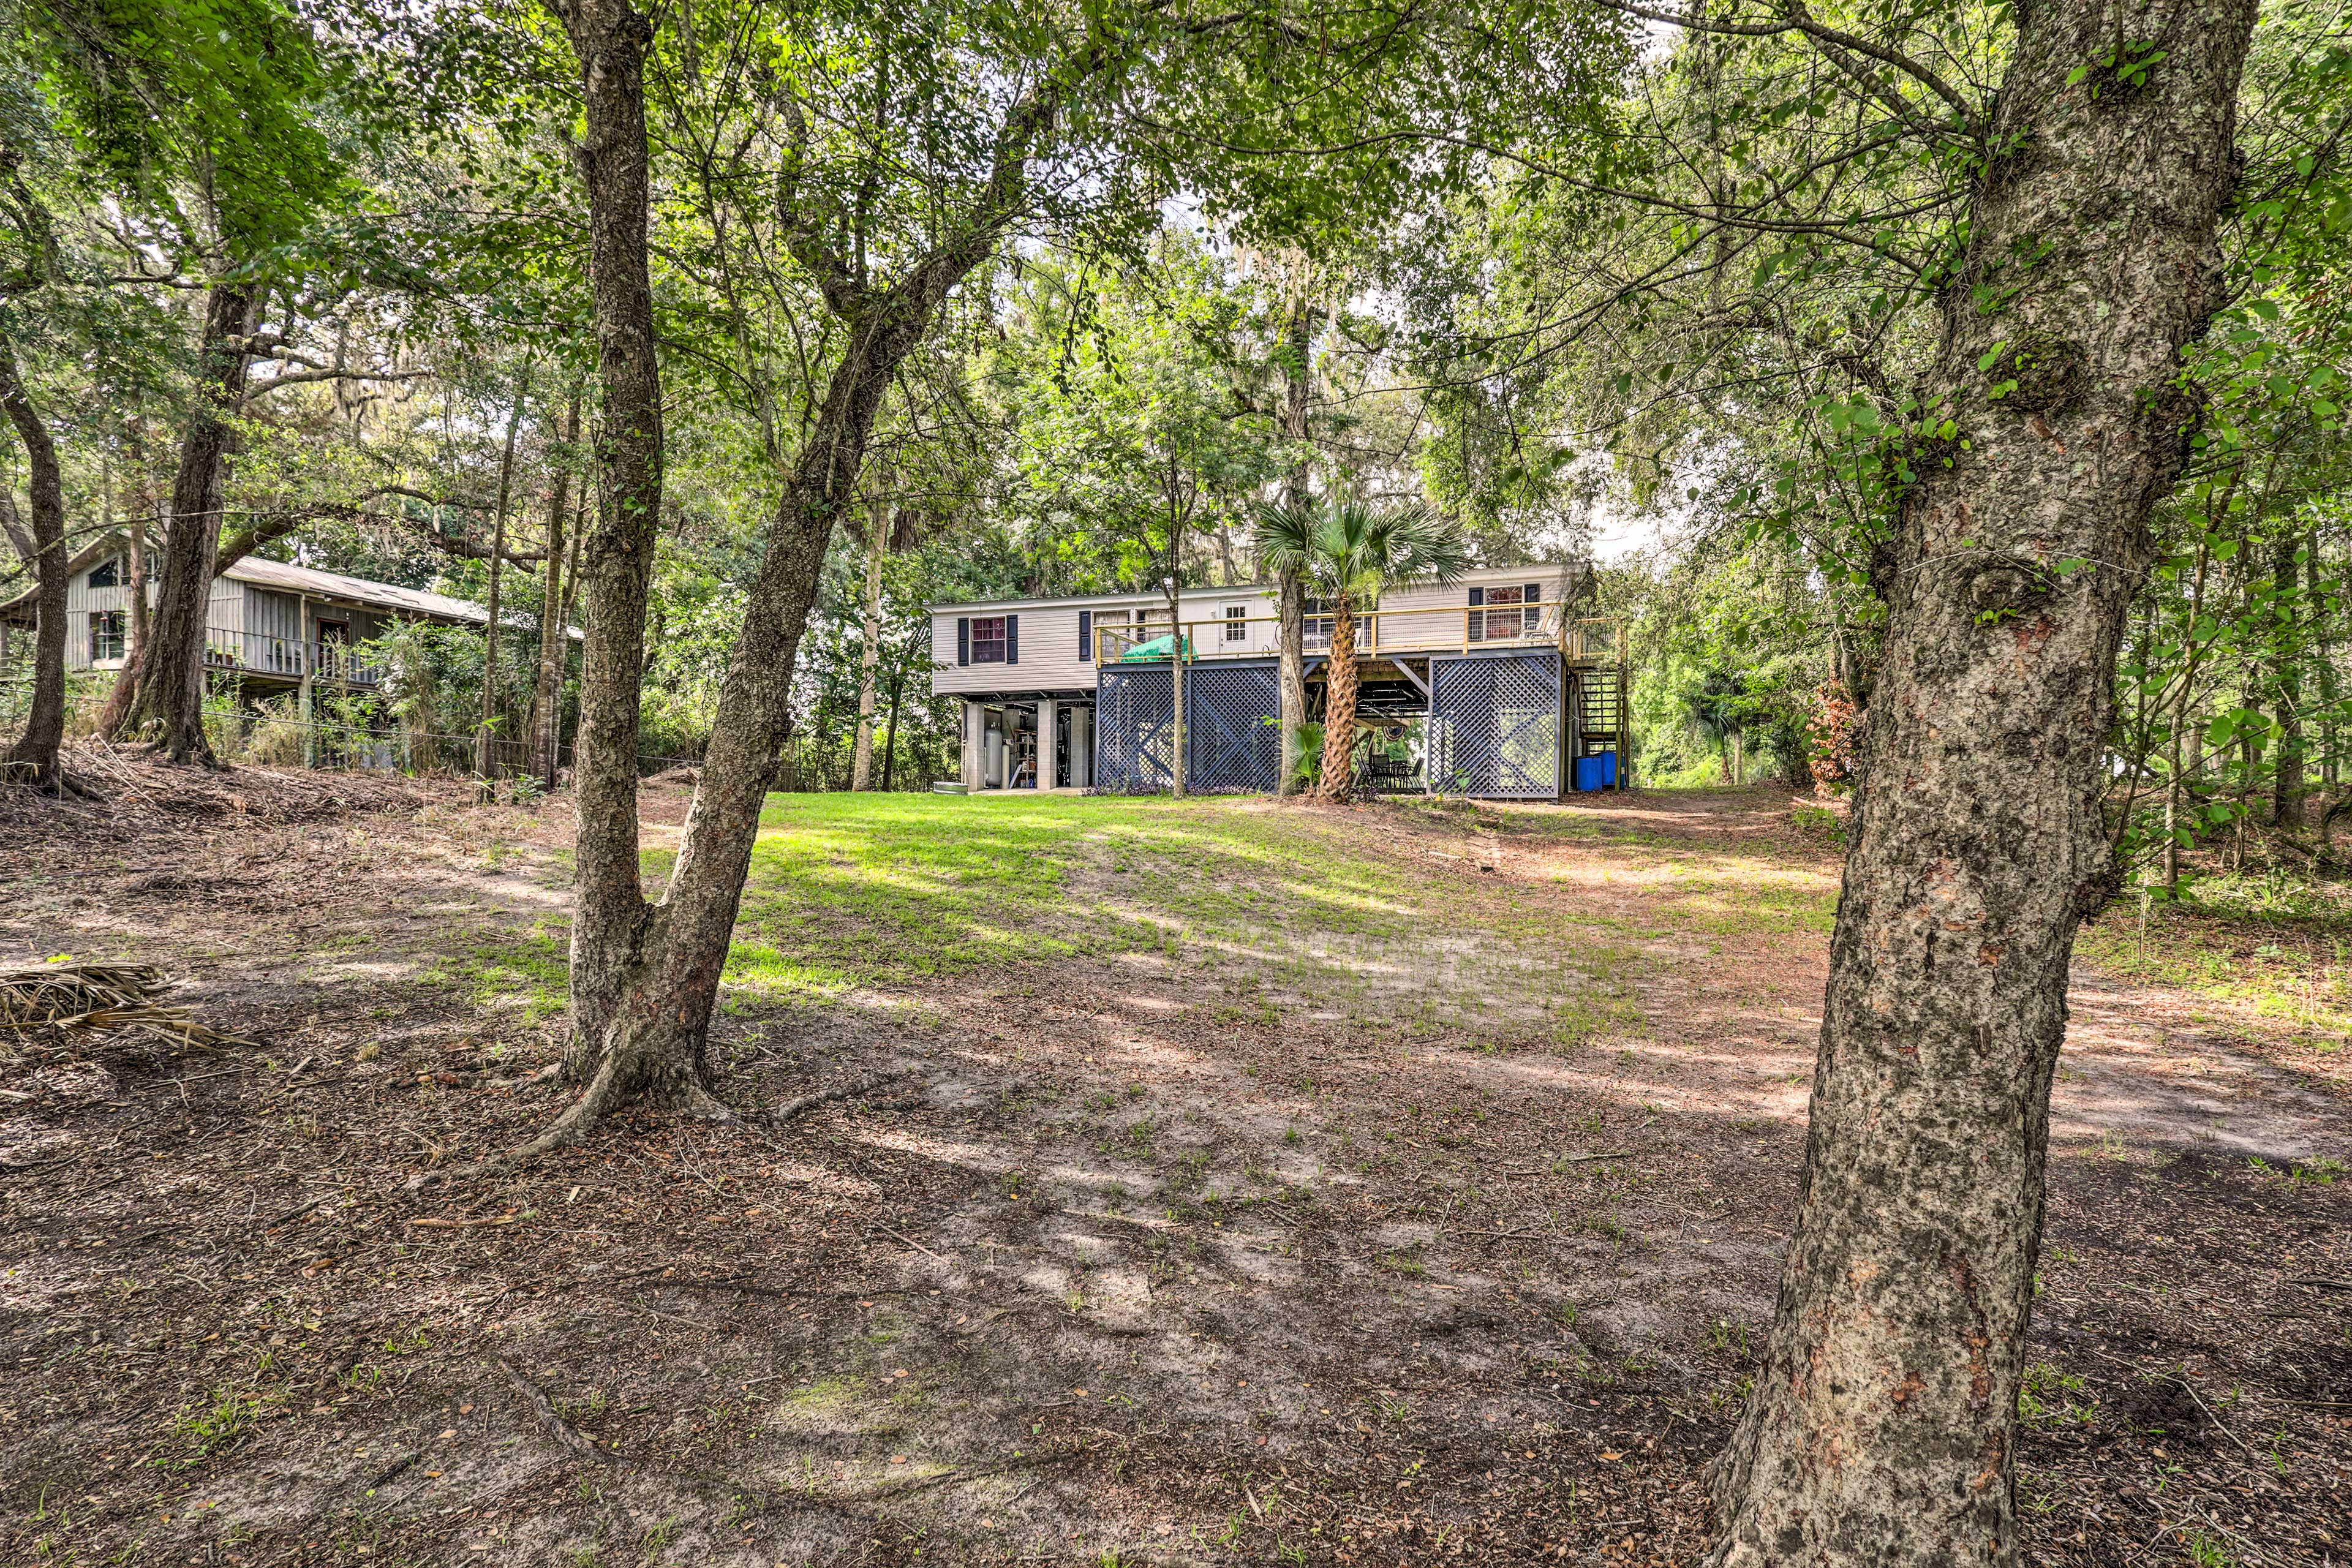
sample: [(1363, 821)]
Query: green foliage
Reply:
[(219, 1420), (1729, 650), (1353, 552), (202, 112), (1116, 382)]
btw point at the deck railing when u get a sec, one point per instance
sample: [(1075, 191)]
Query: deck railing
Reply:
[(1441, 628), (288, 659)]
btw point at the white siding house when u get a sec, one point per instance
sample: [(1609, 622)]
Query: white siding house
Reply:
[(1052, 686), (266, 622)]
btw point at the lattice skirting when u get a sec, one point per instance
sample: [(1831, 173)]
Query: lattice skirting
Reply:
[(1233, 744), (1493, 726), (1135, 711)]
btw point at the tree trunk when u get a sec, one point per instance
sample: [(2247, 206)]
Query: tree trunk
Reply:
[(1290, 676), (34, 758), (169, 707), (2286, 779), (644, 978), (1881, 1428), (861, 766), (653, 1038), (484, 759), (1339, 703), (1297, 399), (1176, 672), (890, 732), (616, 556), (554, 623)]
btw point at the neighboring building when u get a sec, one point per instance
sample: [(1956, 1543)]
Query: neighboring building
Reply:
[(270, 625), (1489, 688)]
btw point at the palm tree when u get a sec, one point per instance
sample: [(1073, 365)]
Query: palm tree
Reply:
[(1716, 713), (1352, 552), (1282, 534)]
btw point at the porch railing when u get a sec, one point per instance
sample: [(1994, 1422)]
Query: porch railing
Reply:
[(1438, 628), (230, 648)]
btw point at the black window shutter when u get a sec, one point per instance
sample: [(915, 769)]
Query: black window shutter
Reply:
[(1477, 596), (1534, 593), (1086, 635), (963, 639), (1013, 639)]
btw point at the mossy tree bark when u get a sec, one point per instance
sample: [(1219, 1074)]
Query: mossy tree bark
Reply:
[(644, 974), (613, 920), (34, 758), (1882, 1429), (168, 708)]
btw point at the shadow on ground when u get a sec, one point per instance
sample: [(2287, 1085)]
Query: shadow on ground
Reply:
[(1245, 1185)]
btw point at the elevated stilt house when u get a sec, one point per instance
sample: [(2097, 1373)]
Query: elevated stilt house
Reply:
[(271, 629), (271, 626), (1491, 688)]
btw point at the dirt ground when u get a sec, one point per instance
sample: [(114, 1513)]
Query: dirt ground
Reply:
[(1083, 1261)]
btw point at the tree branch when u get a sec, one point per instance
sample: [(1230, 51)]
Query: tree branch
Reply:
[(1799, 20), (303, 377)]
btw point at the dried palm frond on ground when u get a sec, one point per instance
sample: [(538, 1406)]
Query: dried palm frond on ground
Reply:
[(81, 1000), (137, 794)]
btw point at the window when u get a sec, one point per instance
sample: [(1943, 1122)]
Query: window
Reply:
[(1237, 623), (107, 573), (1317, 626), (1509, 613), (106, 631), (987, 639)]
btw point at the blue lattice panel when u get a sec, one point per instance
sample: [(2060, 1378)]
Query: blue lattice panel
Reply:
[(1233, 745), (1493, 726), (1135, 713)]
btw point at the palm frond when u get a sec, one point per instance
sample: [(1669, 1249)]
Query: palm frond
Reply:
[(1358, 548), (1283, 536)]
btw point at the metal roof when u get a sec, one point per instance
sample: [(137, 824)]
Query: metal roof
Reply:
[(289, 579), (282, 578)]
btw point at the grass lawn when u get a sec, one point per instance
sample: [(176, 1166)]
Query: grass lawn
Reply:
[(1258, 902)]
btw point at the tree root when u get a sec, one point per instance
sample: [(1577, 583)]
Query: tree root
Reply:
[(604, 1093), (52, 780), (569, 1126), (809, 1103), (163, 750), (571, 1436)]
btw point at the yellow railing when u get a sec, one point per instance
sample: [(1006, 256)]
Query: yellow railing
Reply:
[(1380, 633)]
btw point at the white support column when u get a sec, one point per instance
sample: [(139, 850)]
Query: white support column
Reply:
[(975, 721), (302, 699), (1082, 748), (1047, 759)]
